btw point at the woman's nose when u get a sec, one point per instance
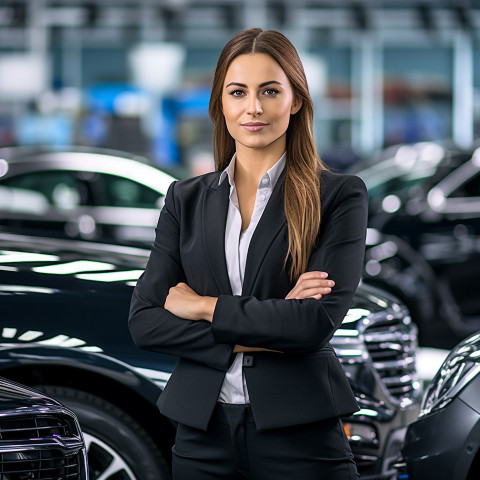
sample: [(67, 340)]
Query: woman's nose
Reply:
[(254, 106)]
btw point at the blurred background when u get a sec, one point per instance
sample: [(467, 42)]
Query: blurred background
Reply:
[(103, 103), (136, 75)]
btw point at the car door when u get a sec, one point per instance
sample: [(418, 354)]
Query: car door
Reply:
[(456, 235), (125, 210), (46, 201)]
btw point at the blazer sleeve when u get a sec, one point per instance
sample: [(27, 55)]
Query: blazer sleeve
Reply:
[(299, 326), (154, 328)]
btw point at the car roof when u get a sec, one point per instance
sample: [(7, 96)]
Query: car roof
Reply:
[(424, 162), (19, 160), (19, 153)]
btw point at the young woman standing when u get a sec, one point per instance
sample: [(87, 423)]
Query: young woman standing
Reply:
[(237, 284)]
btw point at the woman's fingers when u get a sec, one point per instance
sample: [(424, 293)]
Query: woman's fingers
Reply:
[(310, 275), (242, 349), (311, 285), (309, 292)]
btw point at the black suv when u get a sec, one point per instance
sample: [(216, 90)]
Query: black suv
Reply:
[(444, 443), (39, 438), (64, 330), (424, 219)]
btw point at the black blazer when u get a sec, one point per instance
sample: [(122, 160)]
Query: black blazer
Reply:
[(303, 384)]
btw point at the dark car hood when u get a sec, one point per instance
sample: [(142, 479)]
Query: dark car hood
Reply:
[(90, 310), (58, 263), (36, 265), (71, 294), (14, 396)]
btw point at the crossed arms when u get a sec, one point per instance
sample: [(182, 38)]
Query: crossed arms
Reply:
[(168, 316)]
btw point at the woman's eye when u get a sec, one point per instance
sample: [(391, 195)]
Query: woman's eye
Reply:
[(236, 93), (270, 91)]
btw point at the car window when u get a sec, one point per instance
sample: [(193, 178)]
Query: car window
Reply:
[(387, 178), (122, 192), (470, 188), (61, 189)]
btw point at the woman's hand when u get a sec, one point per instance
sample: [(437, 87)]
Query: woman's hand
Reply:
[(311, 285), (242, 349), (184, 302)]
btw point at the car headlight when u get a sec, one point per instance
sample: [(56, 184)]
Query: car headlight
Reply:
[(460, 367)]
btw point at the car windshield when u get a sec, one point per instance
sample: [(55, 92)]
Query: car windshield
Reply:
[(409, 167)]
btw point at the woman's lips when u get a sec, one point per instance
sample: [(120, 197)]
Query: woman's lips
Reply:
[(254, 126)]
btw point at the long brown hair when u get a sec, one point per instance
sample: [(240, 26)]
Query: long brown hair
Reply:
[(303, 165)]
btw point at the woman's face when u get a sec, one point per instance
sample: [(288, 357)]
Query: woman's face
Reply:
[(257, 101)]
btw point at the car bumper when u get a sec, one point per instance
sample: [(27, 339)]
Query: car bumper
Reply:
[(442, 445)]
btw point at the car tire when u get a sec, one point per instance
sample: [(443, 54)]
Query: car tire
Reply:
[(117, 445)]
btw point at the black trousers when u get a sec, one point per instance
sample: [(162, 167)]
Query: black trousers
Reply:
[(233, 449)]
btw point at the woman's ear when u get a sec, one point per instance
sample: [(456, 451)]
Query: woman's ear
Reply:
[(296, 105)]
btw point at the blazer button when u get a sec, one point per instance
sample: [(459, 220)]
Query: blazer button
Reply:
[(247, 360)]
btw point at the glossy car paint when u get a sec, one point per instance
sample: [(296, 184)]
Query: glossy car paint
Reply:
[(80, 192), (376, 345), (428, 195), (19, 405), (444, 445), (64, 321)]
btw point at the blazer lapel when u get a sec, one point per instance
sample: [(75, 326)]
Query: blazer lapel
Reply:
[(270, 224), (215, 210)]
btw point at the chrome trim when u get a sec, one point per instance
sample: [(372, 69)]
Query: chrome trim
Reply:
[(39, 410), (388, 339), (86, 246), (66, 446), (391, 343), (102, 163), (54, 451)]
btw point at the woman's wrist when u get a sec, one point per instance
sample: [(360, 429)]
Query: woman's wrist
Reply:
[(208, 307)]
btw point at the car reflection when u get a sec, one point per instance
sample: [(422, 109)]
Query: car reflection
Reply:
[(79, 192), (444, 443), (64, 328), (424, 238)]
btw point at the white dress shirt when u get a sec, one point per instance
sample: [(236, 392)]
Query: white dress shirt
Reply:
[(234, 388)]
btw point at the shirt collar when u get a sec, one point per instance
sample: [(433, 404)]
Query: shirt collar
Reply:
[(229, 171), (273, 174)]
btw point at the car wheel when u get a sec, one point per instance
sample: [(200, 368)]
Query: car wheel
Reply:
[(118, 447)]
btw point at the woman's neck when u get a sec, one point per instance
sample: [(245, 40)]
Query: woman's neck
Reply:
[(251, 165)]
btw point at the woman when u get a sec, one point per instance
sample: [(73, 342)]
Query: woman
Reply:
[(236, 285)]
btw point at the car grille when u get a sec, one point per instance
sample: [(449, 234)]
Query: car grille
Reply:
[(40, 447), (391, 343), (27, 427), (39, 465)]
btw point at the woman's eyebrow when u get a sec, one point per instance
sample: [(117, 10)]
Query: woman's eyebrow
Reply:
[(264, 84)]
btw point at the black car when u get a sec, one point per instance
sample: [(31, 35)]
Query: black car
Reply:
[(376, 345), (81, 192), (443, 444), (424, 219), (39, 438), (64, 316)]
